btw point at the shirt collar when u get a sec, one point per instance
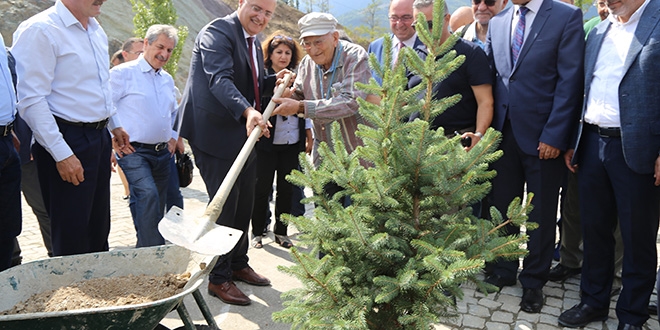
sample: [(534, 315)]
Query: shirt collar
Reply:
[(68, 19), (410, 42), (633, 18), (533, 6), (145, 66)]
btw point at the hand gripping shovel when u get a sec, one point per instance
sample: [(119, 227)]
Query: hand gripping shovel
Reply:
[(201, 234)]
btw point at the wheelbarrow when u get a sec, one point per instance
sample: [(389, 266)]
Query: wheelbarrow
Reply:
[(21, 282)]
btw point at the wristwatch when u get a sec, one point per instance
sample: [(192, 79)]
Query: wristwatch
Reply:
[(479, 134), (301, 109)]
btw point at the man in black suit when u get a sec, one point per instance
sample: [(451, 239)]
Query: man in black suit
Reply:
[(535, 49), (222, 101)]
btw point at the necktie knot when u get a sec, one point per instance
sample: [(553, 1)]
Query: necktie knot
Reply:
[(523, 11)]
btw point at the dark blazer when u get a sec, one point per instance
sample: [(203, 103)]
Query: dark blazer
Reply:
[(376, 47), (639, 108), (549, 92), (219, 88)]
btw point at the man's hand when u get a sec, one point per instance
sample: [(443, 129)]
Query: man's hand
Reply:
[(121, 143), (179, 145), (547, 151), (473, 138), (573, 168), (656, 175), (287, 107), (171, 146), (71, 170), (309, 141), (254, 119), (280, 77)]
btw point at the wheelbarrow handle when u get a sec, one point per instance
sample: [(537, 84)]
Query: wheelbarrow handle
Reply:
[(214, 208)]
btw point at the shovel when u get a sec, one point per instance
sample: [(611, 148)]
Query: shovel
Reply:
[(201, 234)]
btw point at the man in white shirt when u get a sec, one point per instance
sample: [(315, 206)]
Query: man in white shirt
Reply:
[(403, 34), (483, 11), (144, 96), (617, 160), (65, 99)]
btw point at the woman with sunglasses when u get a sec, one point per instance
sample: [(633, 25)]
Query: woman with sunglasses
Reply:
[(279, 153)]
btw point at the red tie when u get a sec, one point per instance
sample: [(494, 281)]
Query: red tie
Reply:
[(255, 85)]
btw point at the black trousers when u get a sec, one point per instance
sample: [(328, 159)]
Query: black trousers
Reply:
[(79, 215), (543, 178), (281, 159), (237, 210)]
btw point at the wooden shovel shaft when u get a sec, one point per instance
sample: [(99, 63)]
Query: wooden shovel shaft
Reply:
[(214, 208)]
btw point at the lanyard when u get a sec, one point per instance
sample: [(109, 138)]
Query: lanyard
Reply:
[(327, 94)]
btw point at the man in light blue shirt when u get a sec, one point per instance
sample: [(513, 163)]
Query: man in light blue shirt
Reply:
[(65, 98), (144, 96), (10, 166)]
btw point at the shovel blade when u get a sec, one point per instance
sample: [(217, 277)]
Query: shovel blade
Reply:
[(200, 235)]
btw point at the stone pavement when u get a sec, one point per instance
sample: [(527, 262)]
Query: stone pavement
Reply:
[(476, 311)]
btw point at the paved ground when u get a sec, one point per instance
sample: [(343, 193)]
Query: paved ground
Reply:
[(496, 311)]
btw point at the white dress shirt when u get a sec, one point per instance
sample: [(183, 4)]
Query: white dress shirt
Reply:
[(145, 101), (410, 42), (533, 6), (603, 99), (8, 98), (286, 131), (63, 70)]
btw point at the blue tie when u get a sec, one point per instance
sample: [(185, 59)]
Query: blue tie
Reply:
[(519, 35)]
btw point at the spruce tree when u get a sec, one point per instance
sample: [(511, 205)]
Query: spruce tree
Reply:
[(396, 257), (150, 12)]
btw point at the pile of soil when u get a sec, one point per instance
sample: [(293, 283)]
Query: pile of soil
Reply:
[(104, 292)]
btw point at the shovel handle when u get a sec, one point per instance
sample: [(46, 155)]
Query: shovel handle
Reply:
[(214, 208)]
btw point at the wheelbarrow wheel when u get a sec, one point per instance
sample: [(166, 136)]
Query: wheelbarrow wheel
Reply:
[(198, 327)]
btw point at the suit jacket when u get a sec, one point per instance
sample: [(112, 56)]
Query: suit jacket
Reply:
[(220, 88), (541, 95), (639, 108), (376, 47)]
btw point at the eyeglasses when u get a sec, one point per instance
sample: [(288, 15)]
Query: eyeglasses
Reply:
[(282, 37), (316, 43), (488, 3), (429, 23), (136, 53), (277, 40), (258, 10), (402, 19)]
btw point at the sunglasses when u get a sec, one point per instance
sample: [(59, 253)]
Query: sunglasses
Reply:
[(281, 39), (488, 3)]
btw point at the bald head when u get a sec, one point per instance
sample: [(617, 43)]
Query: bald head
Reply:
[(461, 16)]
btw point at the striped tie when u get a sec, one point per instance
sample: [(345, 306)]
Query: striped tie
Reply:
[(519, 35)]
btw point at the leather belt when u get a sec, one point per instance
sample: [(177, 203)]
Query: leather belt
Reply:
[(95, 125), (6, 130), (604, 131), (156, 147)]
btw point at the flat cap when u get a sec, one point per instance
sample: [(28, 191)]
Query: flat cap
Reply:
[(316, 24)]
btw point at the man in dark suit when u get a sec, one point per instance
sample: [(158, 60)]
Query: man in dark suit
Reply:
[(535, 49), (617, 152), (222, 101), (403, 33)]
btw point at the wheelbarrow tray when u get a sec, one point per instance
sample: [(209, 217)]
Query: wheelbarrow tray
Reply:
[(21, 282)]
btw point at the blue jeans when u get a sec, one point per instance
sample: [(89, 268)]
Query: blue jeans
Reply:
[(147, 172), (174, 196), (10, 200)]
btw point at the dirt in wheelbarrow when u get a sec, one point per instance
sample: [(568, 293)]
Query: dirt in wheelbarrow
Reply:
[(104, 292)]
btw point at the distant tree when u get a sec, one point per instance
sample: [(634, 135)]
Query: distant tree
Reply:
[(324, 6), (309, 5), (583, 4), (371, 30), (150, 12)]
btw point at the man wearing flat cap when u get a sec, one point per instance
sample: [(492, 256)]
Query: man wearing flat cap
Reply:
[(325, 88)]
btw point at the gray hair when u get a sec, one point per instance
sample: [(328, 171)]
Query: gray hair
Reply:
[(128, 44), (157, 29), (419, 4)]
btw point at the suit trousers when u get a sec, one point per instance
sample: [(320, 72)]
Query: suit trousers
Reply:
[(79, 215), (237, 210), (281, 159), (570, 251), (609, 189), (10, 200), (542, 177)]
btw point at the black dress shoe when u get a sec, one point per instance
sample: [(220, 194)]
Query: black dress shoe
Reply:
[(581, 315), (532, 300), (499, 281), (623, 326), (560, 273)]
